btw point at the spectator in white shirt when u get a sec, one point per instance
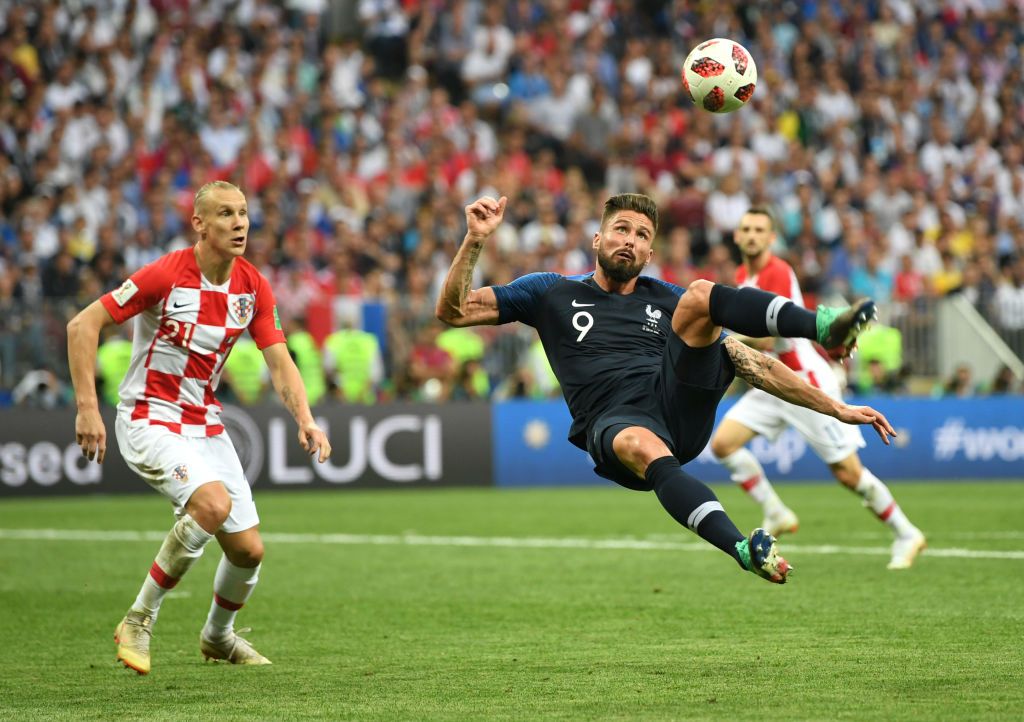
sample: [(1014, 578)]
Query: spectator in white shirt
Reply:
[(486, 63), (725, 206)]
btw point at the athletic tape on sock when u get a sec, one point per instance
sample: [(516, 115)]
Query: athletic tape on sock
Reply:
[(771, 316), (698, 514)]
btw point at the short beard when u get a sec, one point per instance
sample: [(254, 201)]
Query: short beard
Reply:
[(753, 256), (619, 271)]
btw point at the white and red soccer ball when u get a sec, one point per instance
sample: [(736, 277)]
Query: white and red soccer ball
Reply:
[(720, 75)]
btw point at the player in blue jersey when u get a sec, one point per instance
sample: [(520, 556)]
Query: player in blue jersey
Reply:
[(643, 363)]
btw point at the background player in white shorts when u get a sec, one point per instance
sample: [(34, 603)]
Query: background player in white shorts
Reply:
[(760, 413), (190, 307)]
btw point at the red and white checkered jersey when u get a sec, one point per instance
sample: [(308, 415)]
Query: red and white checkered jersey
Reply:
[(798, 353), (185, 327)]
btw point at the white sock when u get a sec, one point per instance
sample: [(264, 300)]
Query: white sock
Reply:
[(183, 545), (879, 499), (231, 588), (746, 470)]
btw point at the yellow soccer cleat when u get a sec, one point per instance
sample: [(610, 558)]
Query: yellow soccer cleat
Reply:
[(132, 637), (234, 649)]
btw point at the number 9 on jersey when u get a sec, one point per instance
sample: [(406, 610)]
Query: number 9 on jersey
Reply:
[(582, 322)]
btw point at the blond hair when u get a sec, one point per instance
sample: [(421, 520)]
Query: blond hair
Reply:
[(203, 192)]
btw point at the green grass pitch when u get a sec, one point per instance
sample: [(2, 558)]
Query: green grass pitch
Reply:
[(568, 604)]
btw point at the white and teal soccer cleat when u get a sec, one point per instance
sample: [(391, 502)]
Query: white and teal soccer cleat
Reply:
[(233, 649), (905, 550), (132, 638), (838, 328), (760, 556)]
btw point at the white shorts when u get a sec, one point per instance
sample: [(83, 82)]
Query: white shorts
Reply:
[(831, 439), (177, 465)]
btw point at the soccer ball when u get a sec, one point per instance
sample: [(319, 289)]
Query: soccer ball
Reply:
[(719, 75)]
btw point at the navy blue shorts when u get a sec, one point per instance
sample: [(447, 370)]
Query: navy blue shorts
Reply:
[(680, 408)]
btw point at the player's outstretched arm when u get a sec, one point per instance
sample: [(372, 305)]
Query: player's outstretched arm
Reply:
[(458, 304), (284, 374), (770, 375), (83, 342)]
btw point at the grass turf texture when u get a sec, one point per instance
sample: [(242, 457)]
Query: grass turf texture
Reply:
[(450, 632)]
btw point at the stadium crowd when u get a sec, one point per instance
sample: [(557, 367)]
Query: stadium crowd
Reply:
[(887, 136)]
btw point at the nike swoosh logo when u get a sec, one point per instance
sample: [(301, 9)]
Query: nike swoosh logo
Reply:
[(576, 304), (178, 305)]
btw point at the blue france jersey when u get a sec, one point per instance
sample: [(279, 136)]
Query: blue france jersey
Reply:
[(603, 347)]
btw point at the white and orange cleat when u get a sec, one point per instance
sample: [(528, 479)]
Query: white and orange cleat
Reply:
[(132, 637), (782, 521), (905, 550), (234, 649)]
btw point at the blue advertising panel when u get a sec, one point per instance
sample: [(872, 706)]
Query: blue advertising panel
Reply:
[(530, 446), (938, 439)]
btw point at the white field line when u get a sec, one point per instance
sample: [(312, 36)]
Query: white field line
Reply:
[(87, 535), (885, 534)]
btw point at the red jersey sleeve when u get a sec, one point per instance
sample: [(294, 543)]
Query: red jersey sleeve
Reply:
[(144, 288), (265, 328)]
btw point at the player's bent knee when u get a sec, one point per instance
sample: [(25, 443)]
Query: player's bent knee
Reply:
[(210, 505), (698, 296), (637, 447), (693, 312), (626, 444), (847, 472), (249, 556)]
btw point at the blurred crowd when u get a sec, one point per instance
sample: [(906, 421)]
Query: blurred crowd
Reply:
[(886, 135)]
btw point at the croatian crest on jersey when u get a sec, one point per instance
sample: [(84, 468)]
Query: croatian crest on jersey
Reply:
[(243, 307), (180, 473), (651, 321)]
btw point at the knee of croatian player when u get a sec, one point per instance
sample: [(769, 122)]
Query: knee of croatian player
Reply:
[(722, 446), (248, 556), (210, 505), (848, 471)]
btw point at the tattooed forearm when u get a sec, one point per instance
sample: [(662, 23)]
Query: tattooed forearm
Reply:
[(751, 366), (467, 272), (770, 375), (458, 304)]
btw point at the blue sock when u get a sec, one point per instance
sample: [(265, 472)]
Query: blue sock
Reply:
[(757, 313), (694, 505)]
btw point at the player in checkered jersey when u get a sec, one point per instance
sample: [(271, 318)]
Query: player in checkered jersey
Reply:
[(190, 307), (759, 413)]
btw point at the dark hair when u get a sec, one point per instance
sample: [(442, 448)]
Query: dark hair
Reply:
[(760, 211), (631, 202)]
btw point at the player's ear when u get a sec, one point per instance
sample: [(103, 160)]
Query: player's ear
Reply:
[(197, 223), (597, 241)]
